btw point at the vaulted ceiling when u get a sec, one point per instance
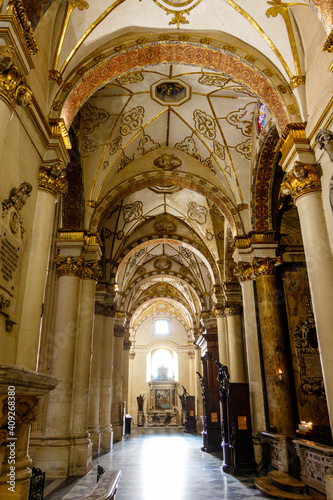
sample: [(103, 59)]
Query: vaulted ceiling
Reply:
[(163, 96)]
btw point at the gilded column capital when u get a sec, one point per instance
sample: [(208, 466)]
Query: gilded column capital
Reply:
[(220, 312), (233, 308), (266, 266), (91, 271), (104, 310), (244, 271), (69, 266), (119, 331), (13, 86), (52, 178), (303, 179)]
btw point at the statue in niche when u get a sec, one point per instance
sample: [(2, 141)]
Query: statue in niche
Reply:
[(140, 400), (162, 373)]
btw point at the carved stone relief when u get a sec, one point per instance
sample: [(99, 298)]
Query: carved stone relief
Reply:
[(197, 212)]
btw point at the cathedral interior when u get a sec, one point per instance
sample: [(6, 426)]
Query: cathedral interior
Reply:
[(166, 251)]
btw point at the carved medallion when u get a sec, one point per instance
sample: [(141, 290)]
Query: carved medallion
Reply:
[(165, 226), (163, 264), (167, 162)]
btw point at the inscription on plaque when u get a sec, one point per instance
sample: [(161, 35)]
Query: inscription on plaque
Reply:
[(9, 255)]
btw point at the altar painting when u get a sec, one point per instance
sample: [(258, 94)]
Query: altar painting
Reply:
[(162, 399)]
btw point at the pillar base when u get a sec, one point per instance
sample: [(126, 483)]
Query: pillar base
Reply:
[(62, 457), (95, 438), (329, 486), (106, 440), (257, 446), (117, 432)]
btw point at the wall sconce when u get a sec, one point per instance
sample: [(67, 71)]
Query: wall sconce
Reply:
[(305, 426), (280, 377)]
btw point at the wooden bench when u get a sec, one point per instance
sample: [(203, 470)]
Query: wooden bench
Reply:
[(106, 487)]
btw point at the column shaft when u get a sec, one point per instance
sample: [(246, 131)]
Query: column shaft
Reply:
[(95, 384), (237, 367), (117, 391), (106, 385), (274, 356), (222, 334), (29, 336)]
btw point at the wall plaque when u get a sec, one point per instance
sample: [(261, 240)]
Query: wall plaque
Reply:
[(213, 417)]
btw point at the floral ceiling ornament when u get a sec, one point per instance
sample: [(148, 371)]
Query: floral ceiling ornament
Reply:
[(197, 212), (92, 117), (188, 146), (177, 8), (204, 124), (242, 119), (146, 144), (132, 120), (167, 162), (133, 211)]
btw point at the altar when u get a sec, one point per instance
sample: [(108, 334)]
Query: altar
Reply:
[(162, 401)]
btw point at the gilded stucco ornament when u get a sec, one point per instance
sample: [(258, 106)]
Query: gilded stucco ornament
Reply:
[(233, 308), (324, 139), (16, 7), (173, 6), (244, 271), (266, 266), (303, 179), (69, 266), (52, 178), (13, 86), (167, 162), (91, 271)]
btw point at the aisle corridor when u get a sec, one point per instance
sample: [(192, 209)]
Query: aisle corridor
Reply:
[(164, 465)]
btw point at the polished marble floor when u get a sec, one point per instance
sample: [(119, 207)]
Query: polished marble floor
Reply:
[(159, 465)]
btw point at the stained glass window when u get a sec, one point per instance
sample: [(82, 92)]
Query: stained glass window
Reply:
[(261, 117)]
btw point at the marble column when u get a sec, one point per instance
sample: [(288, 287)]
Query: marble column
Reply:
[(208, 342), (51, 184), (106, 380), (303, 184), (246, 277), (273, 346), (81, 460), (237, 366), (95, 383), (127, 346), (13, 90), (222, 335), (117, 391), (54, 456)]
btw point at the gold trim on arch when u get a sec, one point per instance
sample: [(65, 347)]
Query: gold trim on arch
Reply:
[(263, 34)]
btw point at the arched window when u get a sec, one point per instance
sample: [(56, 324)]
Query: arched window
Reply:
[(164, 358)]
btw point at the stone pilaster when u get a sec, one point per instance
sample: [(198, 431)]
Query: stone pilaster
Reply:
[(237, 366), (273, 342), (51, 184), (303, 184)]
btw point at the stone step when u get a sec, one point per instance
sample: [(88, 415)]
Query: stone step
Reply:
[(284, 479), (265, 485)]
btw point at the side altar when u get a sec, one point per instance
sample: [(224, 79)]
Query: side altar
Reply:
[(162, 401)]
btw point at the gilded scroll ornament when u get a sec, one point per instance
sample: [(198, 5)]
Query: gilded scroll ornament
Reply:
[(266, 267), (204, 124), (132, 120), (69, 266), (52, 178), (131, 77), (303, 179), (296, 81), (91, 271), (13, 86)]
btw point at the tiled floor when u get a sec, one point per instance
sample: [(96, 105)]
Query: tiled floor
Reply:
[(163, 465)]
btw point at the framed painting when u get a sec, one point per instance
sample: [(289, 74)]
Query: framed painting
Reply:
[(162, 399)]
